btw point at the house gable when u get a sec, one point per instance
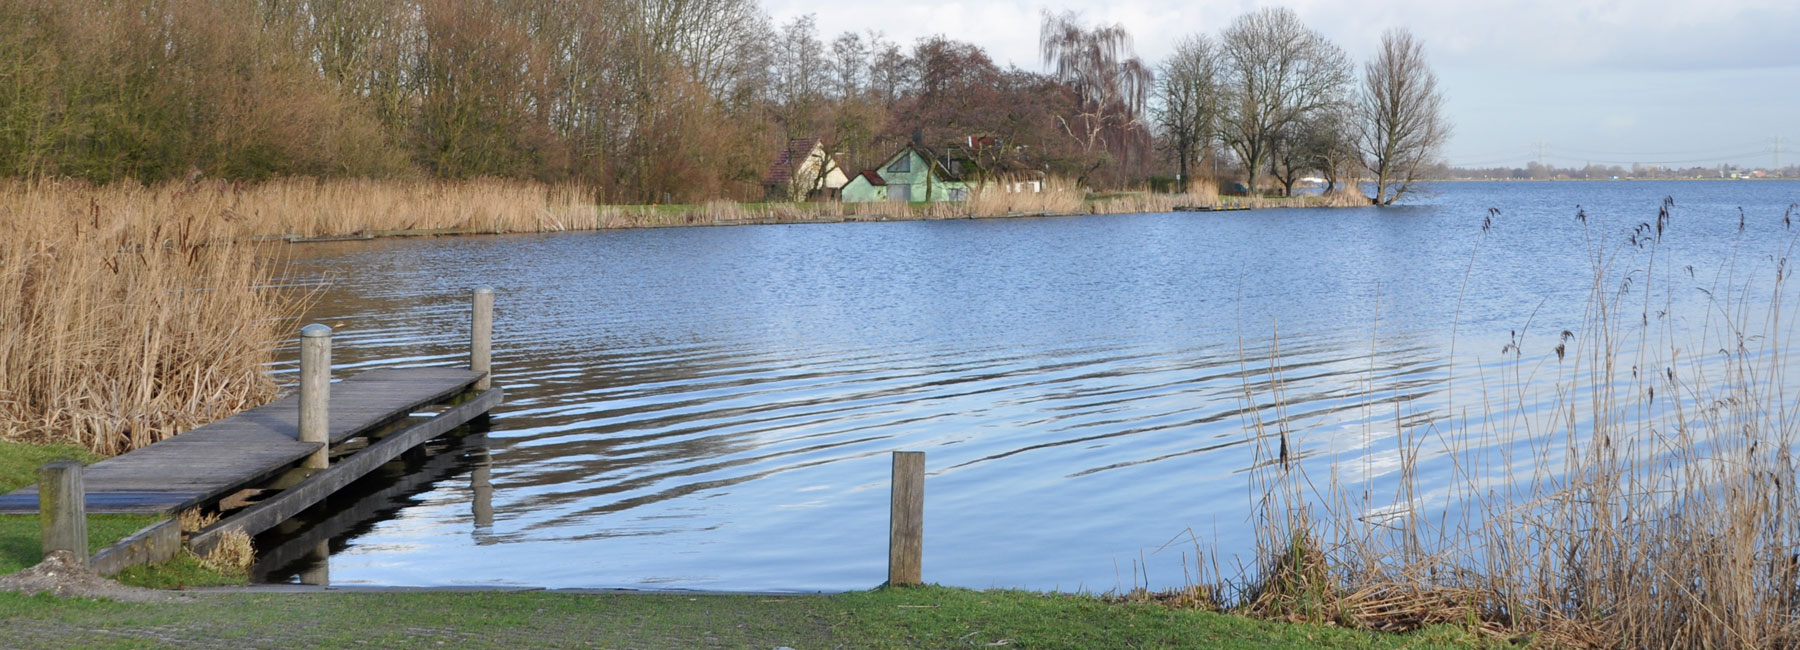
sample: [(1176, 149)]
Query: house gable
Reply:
[(865, 187), (910, 175), (796, 171)]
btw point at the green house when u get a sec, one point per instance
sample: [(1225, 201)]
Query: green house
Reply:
[(865, 187), (909, 175)]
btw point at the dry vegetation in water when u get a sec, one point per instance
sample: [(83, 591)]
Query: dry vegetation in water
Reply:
[(126, 320), (1627, 484), (308, 207)]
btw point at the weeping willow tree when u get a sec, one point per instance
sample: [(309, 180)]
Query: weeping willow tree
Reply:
[(1112, 86)]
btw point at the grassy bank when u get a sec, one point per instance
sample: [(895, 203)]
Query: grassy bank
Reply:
[(19, 461), (21, 536), (928, 617)]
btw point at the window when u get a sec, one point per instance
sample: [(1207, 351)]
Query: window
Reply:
[(959, 194), (902, 193), (903, 165)]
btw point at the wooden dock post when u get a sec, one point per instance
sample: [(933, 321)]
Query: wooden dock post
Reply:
[(481, 336), (906, 520), (482, 485), (315, 393), (62, 508)]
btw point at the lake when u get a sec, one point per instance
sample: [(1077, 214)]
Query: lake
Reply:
[(714, 408)]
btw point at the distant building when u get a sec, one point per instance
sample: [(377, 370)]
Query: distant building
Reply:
[(866, 187), (804, 171), (911, 174)]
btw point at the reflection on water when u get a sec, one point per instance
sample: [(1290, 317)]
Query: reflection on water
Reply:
[(712, 408), (299, 549)]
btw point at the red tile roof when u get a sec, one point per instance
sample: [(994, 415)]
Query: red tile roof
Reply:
[(873, 178), (782, 170)]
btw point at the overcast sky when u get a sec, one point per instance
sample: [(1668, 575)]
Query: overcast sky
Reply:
[(1681, 82)]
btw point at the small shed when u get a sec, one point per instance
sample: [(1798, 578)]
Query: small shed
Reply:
[(866, 186)]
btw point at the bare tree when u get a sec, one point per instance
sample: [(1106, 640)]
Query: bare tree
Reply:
[(849, 65), (890, 72), (1188, 102), (1111, 83), (1277, 72), (1329, 142), (800, 78), (1400, 119)]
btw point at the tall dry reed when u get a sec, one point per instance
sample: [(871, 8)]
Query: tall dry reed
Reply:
[(1200, 194), (308, 207), (1058, 196), (1628, 483), (123, 322)]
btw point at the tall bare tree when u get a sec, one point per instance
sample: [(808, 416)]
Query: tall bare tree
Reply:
[(1400, 120), (890, 71), (1329, 142), (849, 65), (1277, 72), (1188, 102), (801, 78), (1112, 84)]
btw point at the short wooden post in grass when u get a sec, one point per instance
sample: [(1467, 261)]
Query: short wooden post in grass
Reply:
[(906, 519), (481, 337), (62, 509), (315, 393)]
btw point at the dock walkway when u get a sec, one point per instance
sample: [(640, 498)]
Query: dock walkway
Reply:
[(215, 460)]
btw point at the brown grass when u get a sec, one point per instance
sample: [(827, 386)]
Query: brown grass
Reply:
[(233, 555), (193, 520), (1201, 194), (123, 320), (1059, 196), (311, 208), (1654, 505)]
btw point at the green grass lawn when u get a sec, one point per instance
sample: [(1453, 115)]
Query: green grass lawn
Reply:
[(929, 617), (21, 536), (19, 461)]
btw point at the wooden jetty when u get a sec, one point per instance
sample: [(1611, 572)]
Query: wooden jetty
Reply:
[(263, 466)]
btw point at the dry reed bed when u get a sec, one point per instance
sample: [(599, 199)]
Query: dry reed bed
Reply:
[(1653, 504), (125, 322), (328, 208)]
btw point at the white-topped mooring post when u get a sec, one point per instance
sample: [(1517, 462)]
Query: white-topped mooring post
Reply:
[(315, 392), (62, 509), (481, 336)]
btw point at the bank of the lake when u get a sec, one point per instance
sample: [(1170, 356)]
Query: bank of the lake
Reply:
[(924, 617), (21, 544)]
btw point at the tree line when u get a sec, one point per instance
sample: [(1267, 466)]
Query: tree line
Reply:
[(670, 100), (1284, 102)]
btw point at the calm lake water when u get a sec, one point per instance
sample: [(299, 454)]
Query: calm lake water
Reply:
[(713, 408)]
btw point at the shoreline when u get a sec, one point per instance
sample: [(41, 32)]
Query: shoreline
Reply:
[(634, 217)]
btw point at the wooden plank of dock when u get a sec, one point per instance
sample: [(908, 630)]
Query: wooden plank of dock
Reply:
[(219, 458)]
